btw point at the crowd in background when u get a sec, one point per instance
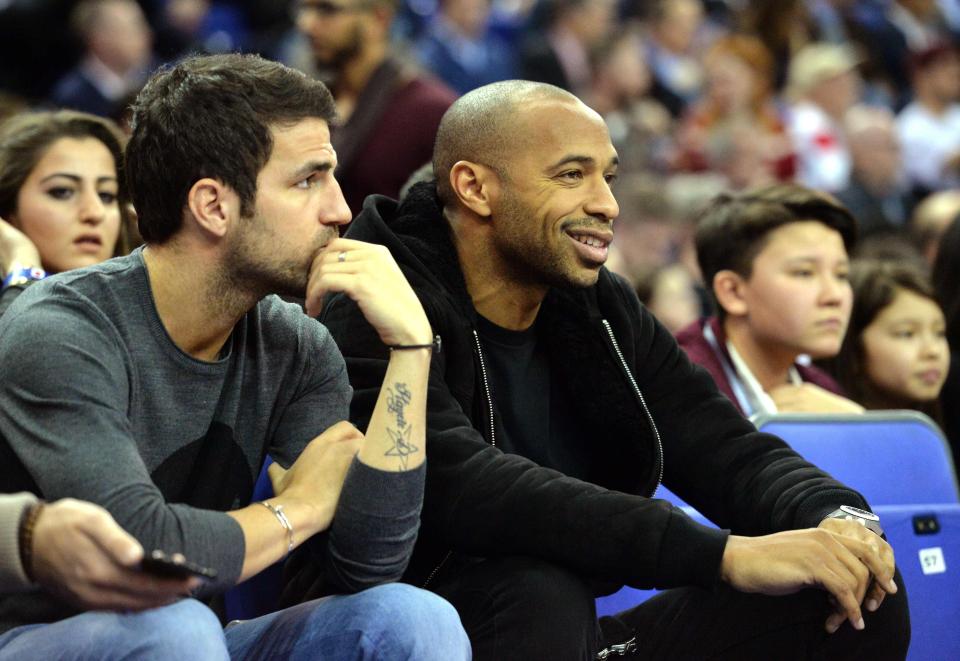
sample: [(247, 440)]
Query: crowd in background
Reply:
[(856, 98)]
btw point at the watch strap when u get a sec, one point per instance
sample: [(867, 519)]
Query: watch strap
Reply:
[(865, 518)]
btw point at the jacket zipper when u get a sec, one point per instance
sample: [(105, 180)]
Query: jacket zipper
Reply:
[(436, 569), (493, 438), (643, 403), (618, 650), (486, 388)]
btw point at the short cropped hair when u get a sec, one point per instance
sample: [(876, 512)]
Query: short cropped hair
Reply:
[(211, 116), (480, 126), (733, 229)]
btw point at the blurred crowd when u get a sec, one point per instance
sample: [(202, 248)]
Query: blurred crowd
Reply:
[(859, 99)]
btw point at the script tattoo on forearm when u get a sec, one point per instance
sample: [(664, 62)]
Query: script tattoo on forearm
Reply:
[(398, 399)]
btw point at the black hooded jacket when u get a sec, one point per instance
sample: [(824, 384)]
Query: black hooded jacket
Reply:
[(654, 417)]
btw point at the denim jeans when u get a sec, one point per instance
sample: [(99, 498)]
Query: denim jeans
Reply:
[(393, 622), (388, 622), (185, 631)]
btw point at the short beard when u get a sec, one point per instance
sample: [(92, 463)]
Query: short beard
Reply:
[(334, 65), (249, 267), (529, 264)]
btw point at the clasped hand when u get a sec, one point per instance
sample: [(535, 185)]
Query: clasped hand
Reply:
[(842, 557)]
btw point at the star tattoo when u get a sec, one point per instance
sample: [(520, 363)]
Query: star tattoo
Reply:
[(402, 447)]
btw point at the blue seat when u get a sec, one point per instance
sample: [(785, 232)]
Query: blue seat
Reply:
[(926, 541), (258, 595), (891, 457)]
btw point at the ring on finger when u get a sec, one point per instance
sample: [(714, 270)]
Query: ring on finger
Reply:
[(342, 256)]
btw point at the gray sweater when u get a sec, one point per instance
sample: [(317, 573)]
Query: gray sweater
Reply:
[(97, 403), (12, 506)]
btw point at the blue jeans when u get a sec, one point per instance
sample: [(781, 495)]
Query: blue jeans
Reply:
[(185, 631), (392, 622)]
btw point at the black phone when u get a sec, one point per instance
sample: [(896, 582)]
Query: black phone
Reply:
[(160, 563)]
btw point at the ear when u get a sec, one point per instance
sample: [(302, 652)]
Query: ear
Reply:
[(473, 184), (728, 288), (213, 206)]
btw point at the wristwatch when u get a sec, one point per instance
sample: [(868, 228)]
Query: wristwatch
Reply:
[(868, 520)]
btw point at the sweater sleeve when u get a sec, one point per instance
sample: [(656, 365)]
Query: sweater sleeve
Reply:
[(70, 430), (8, 296), (378, 514), (12, 507), (374, 527)]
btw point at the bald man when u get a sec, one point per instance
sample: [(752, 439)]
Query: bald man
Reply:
[(559, 405)]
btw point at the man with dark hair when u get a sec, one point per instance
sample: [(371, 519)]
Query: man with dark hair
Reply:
[(390, 111), (775, 260), (159, 381), (558, 407)]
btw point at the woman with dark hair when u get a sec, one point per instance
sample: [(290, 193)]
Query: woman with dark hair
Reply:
[(63, 200), (946, 284), (895, 353)]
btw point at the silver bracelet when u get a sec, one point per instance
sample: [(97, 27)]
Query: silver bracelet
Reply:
[(284, 521)]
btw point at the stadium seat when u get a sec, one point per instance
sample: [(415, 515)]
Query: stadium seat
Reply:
[(926, 541), (258, 595), (894, 458), (891, 457)]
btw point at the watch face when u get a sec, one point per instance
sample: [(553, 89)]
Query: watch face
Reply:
[(863, 514)]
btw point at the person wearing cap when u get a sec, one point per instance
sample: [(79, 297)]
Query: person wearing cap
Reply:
[(929, 127), (822, 84)]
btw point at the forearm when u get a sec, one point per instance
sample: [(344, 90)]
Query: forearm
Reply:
[(396, 437), (375, 526), (16, 250), (394, 442), (266, 540)]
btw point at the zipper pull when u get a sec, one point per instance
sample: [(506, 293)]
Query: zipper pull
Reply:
[(621, 649)]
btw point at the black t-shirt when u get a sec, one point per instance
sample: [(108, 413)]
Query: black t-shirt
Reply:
[(536, 417)]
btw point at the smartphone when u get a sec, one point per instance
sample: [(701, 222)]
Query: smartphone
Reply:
[(160, 563)]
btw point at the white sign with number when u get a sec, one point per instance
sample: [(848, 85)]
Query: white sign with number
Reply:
[(932, 562)]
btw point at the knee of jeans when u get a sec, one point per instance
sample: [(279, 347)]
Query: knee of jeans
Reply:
[(185, 631), (410, 623)]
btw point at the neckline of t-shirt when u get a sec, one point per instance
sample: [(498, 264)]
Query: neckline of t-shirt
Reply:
[(160, 332), (504, 336)]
